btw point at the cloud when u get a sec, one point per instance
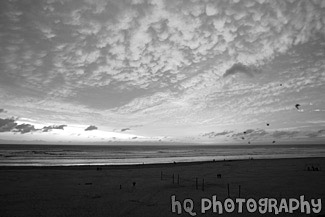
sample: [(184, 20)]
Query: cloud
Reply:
[(91, 127), (319, 133), (125, 129), (285, 134), (7, 124), (148, 45), (251, 134), (248, 131), (213, 134), (240, 68), (10, 125), (25, 128), (49, 128), (2, 111), (261, 134), (168, 58)]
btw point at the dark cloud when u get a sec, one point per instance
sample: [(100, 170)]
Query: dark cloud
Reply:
[(2, 110), (25, 128), (319, 133), (91, 127), (7, 124), (125, 129), (213, 134), (53, 127), (240, 68), (10, 125)]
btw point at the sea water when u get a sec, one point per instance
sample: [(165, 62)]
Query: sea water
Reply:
[(120, 154)]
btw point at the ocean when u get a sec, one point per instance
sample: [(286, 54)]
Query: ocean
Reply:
[(69, 155)]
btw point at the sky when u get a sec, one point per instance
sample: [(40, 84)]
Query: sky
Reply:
[(202, 71)]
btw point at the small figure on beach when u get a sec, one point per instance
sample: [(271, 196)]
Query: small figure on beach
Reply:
[(134, 183)]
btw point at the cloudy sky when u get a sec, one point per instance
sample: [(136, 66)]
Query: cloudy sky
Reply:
[(207, 71)]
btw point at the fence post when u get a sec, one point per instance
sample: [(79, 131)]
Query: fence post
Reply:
[(196, 184), (228, 190), (173, 178), (239, 192), (161, 175), (178, 179)]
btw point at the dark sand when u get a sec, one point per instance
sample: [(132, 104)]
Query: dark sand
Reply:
[(87, 191)]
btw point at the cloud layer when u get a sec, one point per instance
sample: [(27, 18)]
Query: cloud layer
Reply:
[(170, 66), (147, 44)]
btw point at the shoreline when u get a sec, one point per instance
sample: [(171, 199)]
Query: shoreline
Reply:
[(146, 165)]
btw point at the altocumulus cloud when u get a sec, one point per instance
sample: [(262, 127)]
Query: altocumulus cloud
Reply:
[(176, 53), (134, 43)]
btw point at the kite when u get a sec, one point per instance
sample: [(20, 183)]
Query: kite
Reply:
[(297, 106)]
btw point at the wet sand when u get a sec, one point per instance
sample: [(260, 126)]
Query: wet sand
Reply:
[(146, 190)]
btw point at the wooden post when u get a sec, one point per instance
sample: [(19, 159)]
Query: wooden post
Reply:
[(178, 179), (228, 190), (239, 191), (173, 178), (161, 175), (196, 184), (203, 185)]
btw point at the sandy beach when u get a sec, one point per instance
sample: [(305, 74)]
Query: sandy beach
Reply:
[(147, 190)]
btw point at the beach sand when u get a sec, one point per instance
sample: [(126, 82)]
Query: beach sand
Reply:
[(146, 190)]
